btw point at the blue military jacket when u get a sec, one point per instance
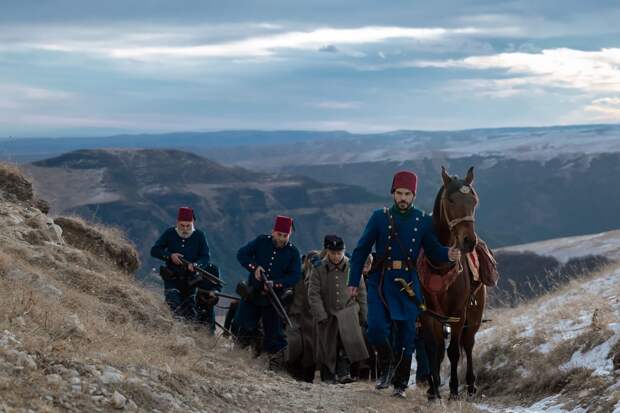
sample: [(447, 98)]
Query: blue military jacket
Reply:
[(282, 265), (194, 249), (415, 231)]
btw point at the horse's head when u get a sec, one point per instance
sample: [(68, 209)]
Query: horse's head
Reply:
[(457, 208)]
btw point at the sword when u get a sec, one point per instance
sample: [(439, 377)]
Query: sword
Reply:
[(408, 290)]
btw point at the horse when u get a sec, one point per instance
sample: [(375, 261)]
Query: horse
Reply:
[(453, 219)]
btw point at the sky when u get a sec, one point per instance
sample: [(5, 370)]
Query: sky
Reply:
[(78, 68)]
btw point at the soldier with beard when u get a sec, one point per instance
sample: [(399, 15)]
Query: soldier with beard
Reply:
[(181, 286), (398, 233), (274, 257)]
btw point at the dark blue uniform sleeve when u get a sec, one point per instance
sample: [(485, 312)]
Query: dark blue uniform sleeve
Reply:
[(204, 256), (293, 270), (160, 249), (432, 247), (247, 255), (363, 248)]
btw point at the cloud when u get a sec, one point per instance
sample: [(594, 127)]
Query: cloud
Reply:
[(587, 71), (605, 109), (207, 42), (31, 93), (337, 105), (14, 97), (330, 49)]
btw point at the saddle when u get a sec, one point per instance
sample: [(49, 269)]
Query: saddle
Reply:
[(481, 262)]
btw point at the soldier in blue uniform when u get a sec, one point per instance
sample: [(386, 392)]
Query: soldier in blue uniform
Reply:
[(180, 284), (279, 260), (398, 233)]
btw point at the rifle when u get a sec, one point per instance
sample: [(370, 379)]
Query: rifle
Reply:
[(275, 301), (214, 279), (201, 272), (219, 294)]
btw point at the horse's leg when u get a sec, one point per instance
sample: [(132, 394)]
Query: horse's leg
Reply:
[(454, 353), (435, 349), (470, 378), (474, 313)]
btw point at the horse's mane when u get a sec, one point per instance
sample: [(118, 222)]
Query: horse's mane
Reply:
[(437, 209)]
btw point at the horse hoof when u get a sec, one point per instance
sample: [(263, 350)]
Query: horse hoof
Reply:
[(454, 397), (471, 392)]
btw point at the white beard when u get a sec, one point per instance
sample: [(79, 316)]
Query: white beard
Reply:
[(185, 236)]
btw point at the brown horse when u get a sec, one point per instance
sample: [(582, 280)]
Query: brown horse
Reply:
[(453, 219)]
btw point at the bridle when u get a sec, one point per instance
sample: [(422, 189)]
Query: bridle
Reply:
[(452, 223)]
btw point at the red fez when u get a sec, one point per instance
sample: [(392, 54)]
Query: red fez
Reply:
[(283, 224), (185, 214), (405, 179)]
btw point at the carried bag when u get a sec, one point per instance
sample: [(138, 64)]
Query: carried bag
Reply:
[(488, 265)]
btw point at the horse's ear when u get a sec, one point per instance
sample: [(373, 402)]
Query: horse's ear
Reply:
[(470, 176), (444, 175)]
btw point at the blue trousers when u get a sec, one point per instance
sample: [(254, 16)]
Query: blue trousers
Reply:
[(381, 329), (246, 325)]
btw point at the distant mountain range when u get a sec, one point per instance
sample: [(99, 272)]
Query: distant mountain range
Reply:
[(275, 149), (140, 191)]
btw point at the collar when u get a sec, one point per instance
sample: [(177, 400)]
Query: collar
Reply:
[(340, 266), (404, 214)]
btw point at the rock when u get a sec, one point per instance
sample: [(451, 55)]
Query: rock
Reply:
[(110, 375), (131, 405), (229, 397), (74, 327), (42, 205), (26, 361), (46, 228), (16, 274), (185, 342), (98, 399), (5, 383), (118, 400), (49, 290), (54, 379)]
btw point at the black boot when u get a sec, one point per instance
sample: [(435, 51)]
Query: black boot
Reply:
[(276, 361), (343, 368), (385, 361), (401, 377)]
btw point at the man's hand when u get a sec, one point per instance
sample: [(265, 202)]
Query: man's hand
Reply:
[(454, 254), (353, 291), (191, 268), (176, 258), (257, 273), (268, 285)]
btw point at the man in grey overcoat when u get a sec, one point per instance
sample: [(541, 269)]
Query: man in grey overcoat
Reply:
[(338, 316)]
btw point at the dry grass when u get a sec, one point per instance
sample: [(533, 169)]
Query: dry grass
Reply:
[(510, 363), (5, 261), (108, 243), (14, 185)]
